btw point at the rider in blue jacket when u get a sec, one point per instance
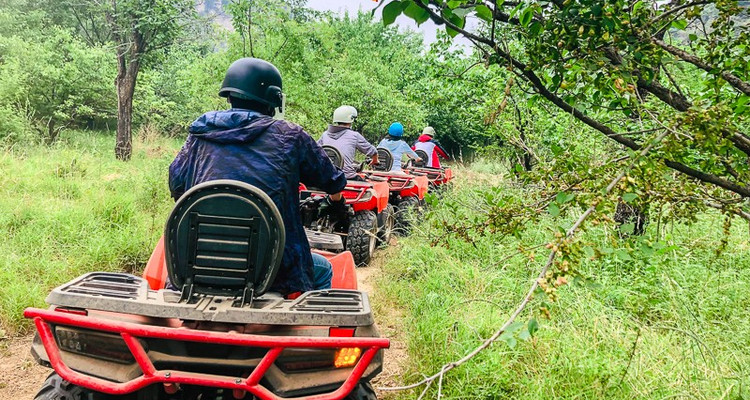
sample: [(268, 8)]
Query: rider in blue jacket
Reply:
[(246, 144), (395, 144)]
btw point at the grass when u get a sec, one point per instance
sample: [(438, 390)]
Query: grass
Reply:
[(72, 208), (668, 323)]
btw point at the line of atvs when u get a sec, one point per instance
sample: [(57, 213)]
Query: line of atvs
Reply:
[(217, 332), (382, 204)]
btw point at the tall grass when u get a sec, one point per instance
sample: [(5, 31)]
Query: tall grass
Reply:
[(672, 322), (72, 208)]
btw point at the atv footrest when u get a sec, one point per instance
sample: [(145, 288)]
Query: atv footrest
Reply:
[(324, 241), (128, 294)]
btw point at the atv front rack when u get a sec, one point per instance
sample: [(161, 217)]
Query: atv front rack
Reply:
[(133, 333), (128, 294)]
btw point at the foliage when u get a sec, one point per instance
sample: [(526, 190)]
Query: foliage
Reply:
[(614, 67), (71, 208), (648, 317)]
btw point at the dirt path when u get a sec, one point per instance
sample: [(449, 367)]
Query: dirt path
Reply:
[(21, 377)]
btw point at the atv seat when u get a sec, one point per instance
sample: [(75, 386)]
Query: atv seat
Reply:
[(385, 160), (335, 155), (424, 156), (225, 238)]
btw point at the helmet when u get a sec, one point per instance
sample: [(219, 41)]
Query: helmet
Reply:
[(396, 129), (429, 131), (345, 115), (253, 79)]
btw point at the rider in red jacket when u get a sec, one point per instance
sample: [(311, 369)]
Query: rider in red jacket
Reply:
[(431, 147)]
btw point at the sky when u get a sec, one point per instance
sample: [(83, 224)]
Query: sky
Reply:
[(428, 29)]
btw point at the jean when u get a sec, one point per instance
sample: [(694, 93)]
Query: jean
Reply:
[(322, 272)]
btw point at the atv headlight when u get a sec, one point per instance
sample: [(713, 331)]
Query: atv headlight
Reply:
[(94, 344)]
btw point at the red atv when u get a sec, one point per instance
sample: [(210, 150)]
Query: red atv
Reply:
[(367, 216), (220, 334), (440, 178), (407, 189)]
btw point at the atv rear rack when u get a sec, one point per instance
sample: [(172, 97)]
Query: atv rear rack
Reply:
[(132, 332), (128, 294)]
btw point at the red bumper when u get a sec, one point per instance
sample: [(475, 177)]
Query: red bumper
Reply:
[(130, 333)]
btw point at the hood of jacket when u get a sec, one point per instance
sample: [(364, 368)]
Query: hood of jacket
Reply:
[(336, 131), (424, 138), (230, 126)]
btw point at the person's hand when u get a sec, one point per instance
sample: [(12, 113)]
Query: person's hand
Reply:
[(332, 207)]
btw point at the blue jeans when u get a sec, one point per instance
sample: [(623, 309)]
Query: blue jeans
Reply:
[(322, 272)]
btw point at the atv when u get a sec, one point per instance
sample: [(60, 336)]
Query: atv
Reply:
[(217, 332), (407, 189), (439, 178), (366, 218)]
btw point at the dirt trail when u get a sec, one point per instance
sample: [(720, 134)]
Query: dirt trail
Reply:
[(21, 377)]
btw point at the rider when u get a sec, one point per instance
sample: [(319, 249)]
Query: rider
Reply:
[(394, 143), (246, 144), (346, 140), (429, 145)]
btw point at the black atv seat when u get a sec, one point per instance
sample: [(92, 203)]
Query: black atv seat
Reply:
[(423, 155), (226, 238), (385, 160), (335, 155)]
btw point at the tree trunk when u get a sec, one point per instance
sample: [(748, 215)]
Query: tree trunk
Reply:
[(125, 82)]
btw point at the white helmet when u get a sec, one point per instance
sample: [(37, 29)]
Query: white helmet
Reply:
[(345, 115), (429, 131)]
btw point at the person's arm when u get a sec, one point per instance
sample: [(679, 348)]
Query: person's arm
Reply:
[(316, 168), (409, 152), (441, 152), (367, 149), (177, 178)]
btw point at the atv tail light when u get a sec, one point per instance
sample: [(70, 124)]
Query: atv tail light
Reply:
[(347, 357), (76, 311), (298, 360), (94, 344)]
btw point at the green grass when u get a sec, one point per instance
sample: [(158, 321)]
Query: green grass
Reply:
[(72, 208), (687, 308)]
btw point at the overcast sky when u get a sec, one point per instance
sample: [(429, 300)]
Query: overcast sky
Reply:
[(428, 29)]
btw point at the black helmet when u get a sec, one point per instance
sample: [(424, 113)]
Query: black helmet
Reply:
[(253, 79)]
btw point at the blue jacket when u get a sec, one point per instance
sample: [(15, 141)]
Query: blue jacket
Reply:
[(272, 155)]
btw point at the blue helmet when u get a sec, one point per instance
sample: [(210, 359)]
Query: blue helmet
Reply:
[(396, 129)]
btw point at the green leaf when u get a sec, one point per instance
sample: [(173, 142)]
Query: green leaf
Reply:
[(680, 24), (391, 11), (628, 197), (693, 37), (417, 13), (484, 12), (514, 327), (553, 209), (627, 229), (524, 334), (526, 16), (589, 251), (509, 340), (563, 197), (533, 326)]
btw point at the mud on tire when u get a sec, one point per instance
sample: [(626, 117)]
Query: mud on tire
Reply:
[(362, 237)]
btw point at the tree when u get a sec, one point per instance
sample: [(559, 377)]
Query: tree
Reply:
[(138, 29), (629, 70)]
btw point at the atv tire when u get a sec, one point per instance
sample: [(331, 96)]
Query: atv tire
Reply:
[(57, 388), (362, 237), (406, 215), (387, 222), (363, 391)]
